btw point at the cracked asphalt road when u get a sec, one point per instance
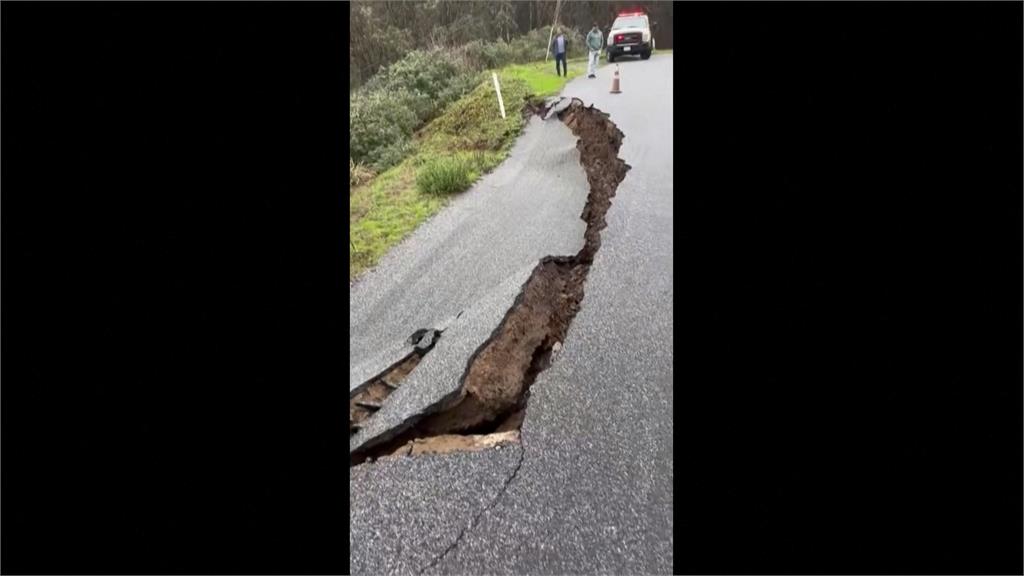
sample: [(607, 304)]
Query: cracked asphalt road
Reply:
[(471, 258), (590, 488)]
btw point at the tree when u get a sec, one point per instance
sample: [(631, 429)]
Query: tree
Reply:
[(504, 19), (383, 31)]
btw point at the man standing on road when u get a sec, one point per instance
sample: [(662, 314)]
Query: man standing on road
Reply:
[(560, 46), (594, 42)]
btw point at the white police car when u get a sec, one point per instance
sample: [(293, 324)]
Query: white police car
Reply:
[(630, 36)]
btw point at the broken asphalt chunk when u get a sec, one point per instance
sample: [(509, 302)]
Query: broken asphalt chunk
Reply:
[(560, 106), (424, 339)]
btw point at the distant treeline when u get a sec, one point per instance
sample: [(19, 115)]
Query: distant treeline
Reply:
[(382, 32)]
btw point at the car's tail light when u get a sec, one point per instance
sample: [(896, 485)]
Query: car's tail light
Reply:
[(618, 37)]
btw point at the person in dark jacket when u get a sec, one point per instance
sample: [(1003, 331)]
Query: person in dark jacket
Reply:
[(560, 47)]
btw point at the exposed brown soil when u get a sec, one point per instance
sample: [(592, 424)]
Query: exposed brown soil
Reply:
[(366, 402), (456, 443), (492, 402), (533, 107), (496, 380)]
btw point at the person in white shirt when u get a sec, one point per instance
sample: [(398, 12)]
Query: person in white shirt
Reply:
[(594, 42)]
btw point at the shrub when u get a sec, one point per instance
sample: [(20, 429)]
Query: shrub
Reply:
[(530, 46), (379, 120), (391, 154), (467, 27), (458, 87), (524, 51), (404, 96), (533, 45), (577, 43), (498, 54), (421, 72), (446, 175), (470, 55), (358, 174), (399, 99)]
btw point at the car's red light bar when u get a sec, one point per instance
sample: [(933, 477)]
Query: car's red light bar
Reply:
[(632, 12)]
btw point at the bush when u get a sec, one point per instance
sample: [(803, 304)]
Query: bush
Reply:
[(577, 43), (533, 45), (446, 175), (467, 27), (498, 54), (379, 120), (391, 154), (421, 72), (358, 174), (458, 87), (399, 99), (530, 47), (404, 96), (471, 55)]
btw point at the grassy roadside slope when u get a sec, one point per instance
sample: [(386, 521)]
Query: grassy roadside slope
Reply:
[(470, 135)]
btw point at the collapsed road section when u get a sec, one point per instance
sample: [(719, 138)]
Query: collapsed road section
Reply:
[(490, 406), (367, 399)]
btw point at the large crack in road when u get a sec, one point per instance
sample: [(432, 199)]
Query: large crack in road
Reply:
[(490, 406), (368, 398)]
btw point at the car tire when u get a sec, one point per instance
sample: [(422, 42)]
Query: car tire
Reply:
[(611, 58), (645, 55)]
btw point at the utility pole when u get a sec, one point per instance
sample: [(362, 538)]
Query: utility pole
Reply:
[(558, 5)]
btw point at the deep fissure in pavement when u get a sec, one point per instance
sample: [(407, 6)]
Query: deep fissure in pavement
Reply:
[(367, 399), (490, 406)]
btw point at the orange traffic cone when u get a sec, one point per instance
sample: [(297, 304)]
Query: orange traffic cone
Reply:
[(615, 82)]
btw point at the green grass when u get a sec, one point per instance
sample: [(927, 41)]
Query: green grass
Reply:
[(449, 154), (468, 140), (541, 78), (474, 123), (384, 212), (444, 175)]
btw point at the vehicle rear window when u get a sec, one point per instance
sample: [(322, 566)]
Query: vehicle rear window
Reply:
[(630, 22)]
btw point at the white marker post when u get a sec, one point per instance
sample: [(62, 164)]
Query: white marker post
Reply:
[(497, 88)]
